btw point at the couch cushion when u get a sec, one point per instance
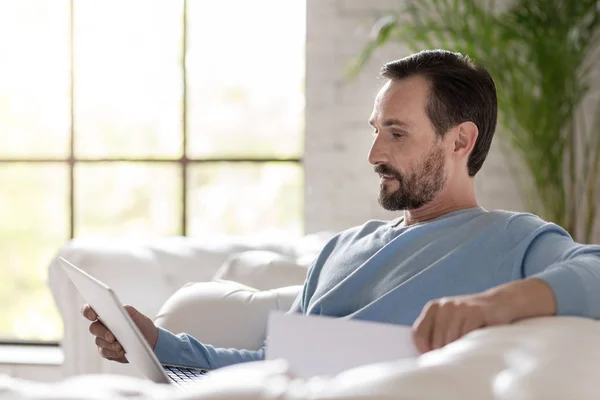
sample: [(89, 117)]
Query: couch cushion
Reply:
[(545, 358), (224, 314), (263, 270)]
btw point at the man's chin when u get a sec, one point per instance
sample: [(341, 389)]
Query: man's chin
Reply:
[(388, 201), (388, 205)]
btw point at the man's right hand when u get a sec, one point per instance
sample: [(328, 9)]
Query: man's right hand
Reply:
[(108, 346)]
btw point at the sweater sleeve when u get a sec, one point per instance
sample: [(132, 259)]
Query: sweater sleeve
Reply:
[(184, 350), (571, 269)]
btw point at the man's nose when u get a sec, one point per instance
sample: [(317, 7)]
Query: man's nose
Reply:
[(377, 154)]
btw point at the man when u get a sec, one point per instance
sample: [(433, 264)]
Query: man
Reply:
[(447, 267)]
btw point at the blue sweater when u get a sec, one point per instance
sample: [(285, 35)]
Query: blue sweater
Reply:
[(383, 272)]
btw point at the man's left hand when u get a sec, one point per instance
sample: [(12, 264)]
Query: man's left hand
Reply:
[(448, 319)]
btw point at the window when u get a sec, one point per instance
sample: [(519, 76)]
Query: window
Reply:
[(131, 118)]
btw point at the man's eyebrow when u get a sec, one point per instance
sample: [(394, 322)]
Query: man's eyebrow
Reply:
[(391, 122)]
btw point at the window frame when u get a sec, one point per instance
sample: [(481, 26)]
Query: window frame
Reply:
[(184, 161)]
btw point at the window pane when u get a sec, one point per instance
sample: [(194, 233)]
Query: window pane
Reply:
[(245, 198), (34, 83), (34, 215), (127, 200), (128, 81), (246, 78)]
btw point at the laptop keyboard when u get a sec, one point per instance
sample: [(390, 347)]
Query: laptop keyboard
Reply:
[(184, 376)]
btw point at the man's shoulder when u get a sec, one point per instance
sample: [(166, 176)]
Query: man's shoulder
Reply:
[(507, 215), (518, 219), (519, 226), (370, 227)]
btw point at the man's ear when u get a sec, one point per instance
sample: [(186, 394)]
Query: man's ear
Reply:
[(466, 136)]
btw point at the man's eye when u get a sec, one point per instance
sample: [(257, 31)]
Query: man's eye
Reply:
[(397, 135)]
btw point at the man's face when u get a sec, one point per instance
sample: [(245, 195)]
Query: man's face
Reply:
[(406, 152)]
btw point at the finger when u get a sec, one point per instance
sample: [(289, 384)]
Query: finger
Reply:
[(111, 354), (130, 310), (454, 330), (121, 360), (134, 314), (442, 320), (88, 312), (115, 346), (99, 330), (470, 325), (423, 326)]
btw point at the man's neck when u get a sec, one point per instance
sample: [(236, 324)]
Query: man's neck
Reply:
[(412, 217), (440, 206)]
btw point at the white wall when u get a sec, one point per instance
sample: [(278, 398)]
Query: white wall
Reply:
[(341, 188)]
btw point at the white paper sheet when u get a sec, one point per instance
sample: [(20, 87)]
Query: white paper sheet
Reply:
[(315, 345)]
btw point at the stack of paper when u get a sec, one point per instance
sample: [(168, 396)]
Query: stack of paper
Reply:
[(316, 345)]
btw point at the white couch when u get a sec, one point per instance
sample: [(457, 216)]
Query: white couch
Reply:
[(145, 274), (546, 358)]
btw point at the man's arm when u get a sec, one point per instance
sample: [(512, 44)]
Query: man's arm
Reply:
[(447, 319), (570, 269), (561, 277), (179, 349), (183, 349)]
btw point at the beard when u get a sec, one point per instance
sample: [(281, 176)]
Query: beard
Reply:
[(417, 187)]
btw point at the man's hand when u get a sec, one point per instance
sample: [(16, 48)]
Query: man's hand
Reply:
[(108, 346), (445, 320), (448, 319)]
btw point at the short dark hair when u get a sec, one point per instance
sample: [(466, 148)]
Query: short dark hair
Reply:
[(461, 90)]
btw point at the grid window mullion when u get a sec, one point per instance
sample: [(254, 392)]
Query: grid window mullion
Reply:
[(184, 123), (72, 160)]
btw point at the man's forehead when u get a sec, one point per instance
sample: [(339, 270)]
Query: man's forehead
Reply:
[(398, 99), (412, 87), (388, 121)]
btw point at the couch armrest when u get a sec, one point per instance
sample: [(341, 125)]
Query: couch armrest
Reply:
[(142, 274), (224, 314)]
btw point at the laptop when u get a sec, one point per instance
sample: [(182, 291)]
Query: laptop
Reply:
[(111, 313)]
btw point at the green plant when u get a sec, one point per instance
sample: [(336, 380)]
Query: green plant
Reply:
[(541, 54)]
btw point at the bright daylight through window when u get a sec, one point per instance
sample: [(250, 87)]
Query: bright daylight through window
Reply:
[(104, 133)]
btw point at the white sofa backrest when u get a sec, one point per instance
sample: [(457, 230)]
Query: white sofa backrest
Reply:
[(263, 270)]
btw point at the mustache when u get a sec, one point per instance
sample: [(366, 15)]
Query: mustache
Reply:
[(385, 169)]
